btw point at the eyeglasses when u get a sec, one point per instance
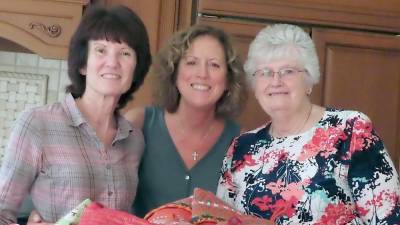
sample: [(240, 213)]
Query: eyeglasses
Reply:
[(282, 73)]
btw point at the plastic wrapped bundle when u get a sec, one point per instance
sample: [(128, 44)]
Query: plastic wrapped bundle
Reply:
[(203, 208)]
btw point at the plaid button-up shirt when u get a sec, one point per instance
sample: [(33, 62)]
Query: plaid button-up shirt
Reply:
[(55, 155)]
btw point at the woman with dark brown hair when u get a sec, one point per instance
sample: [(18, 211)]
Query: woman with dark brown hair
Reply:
[(79, 148)]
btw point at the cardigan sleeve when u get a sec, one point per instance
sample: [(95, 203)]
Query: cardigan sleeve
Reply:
[(372, 175), (226, 188)]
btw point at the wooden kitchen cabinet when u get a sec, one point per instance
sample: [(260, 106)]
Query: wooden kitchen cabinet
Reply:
[(41, 26), (357, 45), (361, 71), (366, 14)]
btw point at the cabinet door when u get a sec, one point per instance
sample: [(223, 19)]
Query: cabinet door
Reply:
[(361, 71), (43, 27), (365, 14)]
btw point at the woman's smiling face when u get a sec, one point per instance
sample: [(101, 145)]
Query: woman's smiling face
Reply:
[(202, 73), (109, 69), (281, 91)]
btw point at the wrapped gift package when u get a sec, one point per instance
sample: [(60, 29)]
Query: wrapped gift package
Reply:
[(202, 208)]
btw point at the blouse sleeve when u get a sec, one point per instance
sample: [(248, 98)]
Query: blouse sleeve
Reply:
[(226, 189), (372, 175), (19, 166)]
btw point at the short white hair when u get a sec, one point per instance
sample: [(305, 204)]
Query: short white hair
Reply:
[(283, 41)]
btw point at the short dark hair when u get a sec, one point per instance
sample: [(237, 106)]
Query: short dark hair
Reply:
[(119, 24), (166, 64)]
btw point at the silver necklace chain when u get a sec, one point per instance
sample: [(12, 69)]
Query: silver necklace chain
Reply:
[(271, 130), (195, 153)]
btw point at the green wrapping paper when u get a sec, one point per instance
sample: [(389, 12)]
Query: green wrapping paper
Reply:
[(73, 217)]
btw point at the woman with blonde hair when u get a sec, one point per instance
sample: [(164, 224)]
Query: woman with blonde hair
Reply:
[(200, 88)]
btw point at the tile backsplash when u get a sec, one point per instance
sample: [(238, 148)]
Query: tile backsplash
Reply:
[(27, 80)]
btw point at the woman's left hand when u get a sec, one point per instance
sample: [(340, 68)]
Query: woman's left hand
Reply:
[(36, 219)]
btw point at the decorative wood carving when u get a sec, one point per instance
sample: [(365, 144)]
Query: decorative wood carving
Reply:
[(52, 31)]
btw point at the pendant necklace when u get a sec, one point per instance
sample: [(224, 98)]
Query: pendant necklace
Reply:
[(195, 154)]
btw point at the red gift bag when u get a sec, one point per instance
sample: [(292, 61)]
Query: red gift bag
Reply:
[(96, 214)]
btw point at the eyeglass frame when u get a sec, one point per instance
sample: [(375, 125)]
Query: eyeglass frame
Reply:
[(281, 75)]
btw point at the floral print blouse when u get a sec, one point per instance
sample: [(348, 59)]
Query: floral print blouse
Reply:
[(338, 172)]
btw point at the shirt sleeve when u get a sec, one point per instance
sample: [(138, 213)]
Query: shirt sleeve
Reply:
[(19, 166), (372, 175), (226, 189)]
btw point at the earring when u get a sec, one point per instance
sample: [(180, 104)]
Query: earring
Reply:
[(309, 91)]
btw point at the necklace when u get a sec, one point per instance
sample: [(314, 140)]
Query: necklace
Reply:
[(298, 130), (195, 154)]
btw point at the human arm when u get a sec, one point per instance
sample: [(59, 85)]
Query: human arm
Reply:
[(372, 175), (226, 189), (136, 116), (19, 166)]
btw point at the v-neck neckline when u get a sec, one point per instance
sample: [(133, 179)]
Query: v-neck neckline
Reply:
[(175, 149)]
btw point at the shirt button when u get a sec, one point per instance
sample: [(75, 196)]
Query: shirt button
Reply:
[(110, 193), (187, 177)]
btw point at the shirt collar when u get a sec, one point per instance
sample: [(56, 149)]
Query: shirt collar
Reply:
[(76, 118), (71, 108)]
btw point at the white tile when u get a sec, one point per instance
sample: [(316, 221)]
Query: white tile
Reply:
[(10, 116), (31, 89), (22, 86), (26, 69), (2, 105), (53, 77), (49, 63), (21, 97), (28, 106), (52, 96), (12, 87), (7, 68), (11, 106), (61, 95), (64, 64), (26, 59), (3, 96), (12, 97), (64, 81), (7, 58), (3, 86)]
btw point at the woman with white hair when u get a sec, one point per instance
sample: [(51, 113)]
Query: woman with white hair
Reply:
[(309, 164)]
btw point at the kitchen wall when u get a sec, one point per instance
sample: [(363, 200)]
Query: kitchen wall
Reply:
[(27, 80)]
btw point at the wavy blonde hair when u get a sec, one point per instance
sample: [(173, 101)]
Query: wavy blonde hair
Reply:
[(166, 63)]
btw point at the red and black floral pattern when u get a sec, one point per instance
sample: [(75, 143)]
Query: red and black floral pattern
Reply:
[(338, 172)]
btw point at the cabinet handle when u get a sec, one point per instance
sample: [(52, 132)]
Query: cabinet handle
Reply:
[(52, 31), (207, 16)]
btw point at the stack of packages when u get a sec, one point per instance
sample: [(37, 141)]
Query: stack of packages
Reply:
[(202, 208)]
